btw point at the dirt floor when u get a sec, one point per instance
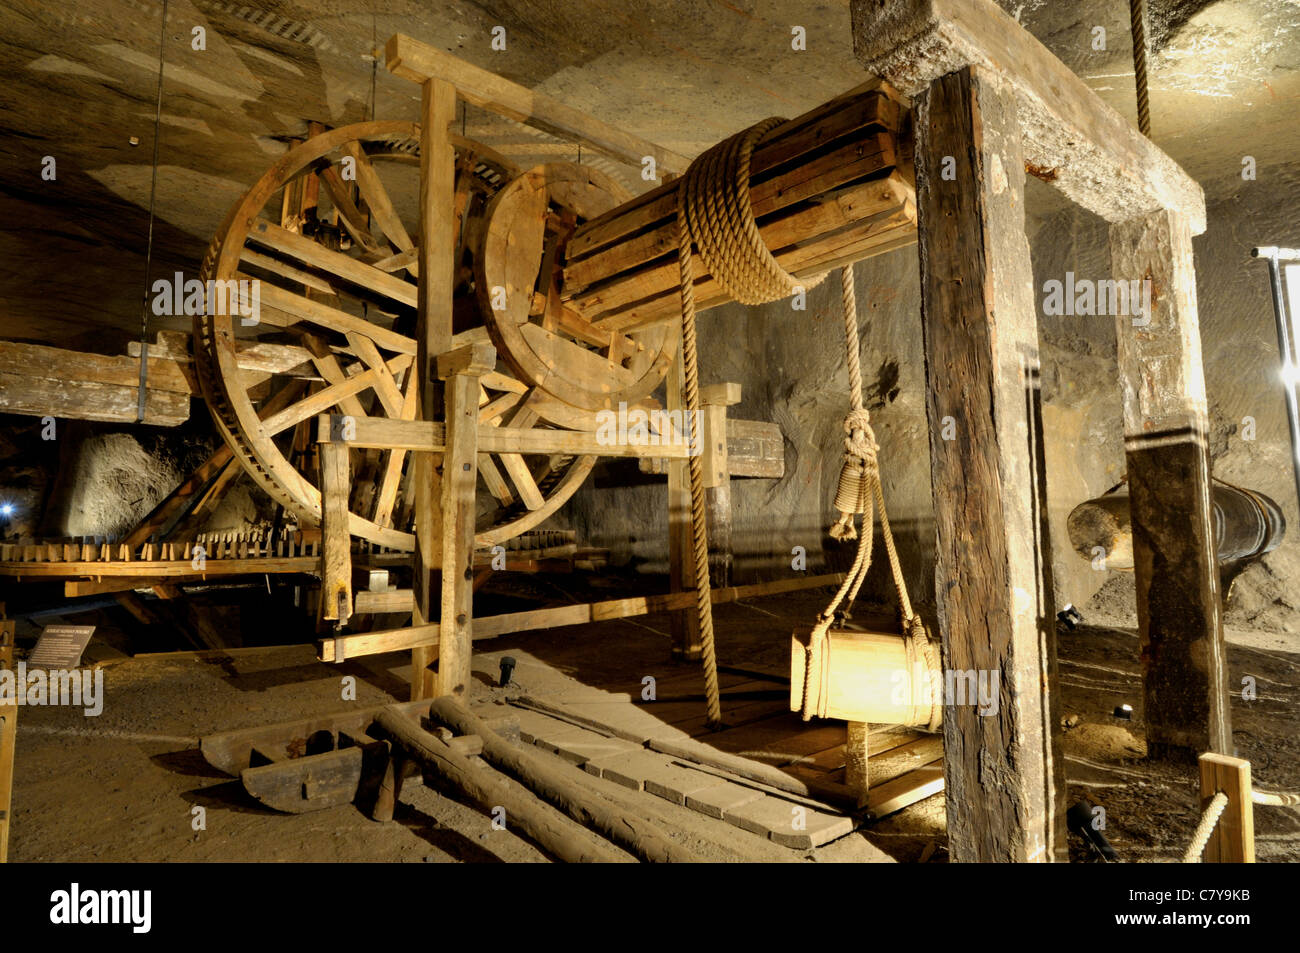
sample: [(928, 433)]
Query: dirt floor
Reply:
[(129, 784)]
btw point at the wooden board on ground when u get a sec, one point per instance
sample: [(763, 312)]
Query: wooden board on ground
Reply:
[(792, 822)]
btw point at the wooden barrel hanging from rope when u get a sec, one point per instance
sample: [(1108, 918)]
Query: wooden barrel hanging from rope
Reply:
[(867, 676)]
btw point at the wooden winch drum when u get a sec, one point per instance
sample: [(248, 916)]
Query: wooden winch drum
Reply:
[(868, 678)]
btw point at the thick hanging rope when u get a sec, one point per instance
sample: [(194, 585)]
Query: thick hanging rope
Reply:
[(1138, 20), (714, 213), (860, 492), (699, 527)]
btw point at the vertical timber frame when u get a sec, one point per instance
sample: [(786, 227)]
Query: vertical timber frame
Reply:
[(1095, 156), (460, 370), (981, 359), (1184, 658), (433, 337)]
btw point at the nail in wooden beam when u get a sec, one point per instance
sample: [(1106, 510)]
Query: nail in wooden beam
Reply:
[(433, 337), (1184, 664), (981, 356)]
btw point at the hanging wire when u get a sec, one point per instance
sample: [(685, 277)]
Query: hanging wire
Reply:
[(148, 253)]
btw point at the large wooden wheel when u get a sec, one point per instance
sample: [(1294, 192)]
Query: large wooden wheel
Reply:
[(547, 344), (338, 280)]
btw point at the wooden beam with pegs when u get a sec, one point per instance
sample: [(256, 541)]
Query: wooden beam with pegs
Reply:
[(437, 265), (460, 371), (979, 323), (43, 381), (421, 436), (490, 627)]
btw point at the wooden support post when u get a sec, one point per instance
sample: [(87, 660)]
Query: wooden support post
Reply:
[(684, 625), (1184, 664), (8, 734), (336, 544), (1233, 838), (461, 370), (856, 760), (715, 399), (981, 360), (433, 337)]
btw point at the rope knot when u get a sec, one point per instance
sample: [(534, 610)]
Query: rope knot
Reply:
[(859, 438)]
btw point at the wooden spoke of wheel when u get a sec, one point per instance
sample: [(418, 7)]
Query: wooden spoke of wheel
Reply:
[(527, 487), (391, 477), (548, 345)]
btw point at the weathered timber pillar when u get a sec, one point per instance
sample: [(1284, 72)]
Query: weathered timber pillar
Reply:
[(684, 624), (461, 369), (336, 541), (1184, 668), (714, 400), (981, 362), (433, 337)]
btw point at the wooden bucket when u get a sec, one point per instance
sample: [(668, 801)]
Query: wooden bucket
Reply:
[(868, 678)]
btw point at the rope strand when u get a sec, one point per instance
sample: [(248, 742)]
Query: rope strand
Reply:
[(1137, 19), (699, 524)]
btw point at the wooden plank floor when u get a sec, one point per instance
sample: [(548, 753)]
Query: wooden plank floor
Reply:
[(614, 678), (616, 738)]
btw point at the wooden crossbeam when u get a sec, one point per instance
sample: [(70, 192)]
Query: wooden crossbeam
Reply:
[(421, 62), (489, 627), (428, 437), (1071, 138)]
